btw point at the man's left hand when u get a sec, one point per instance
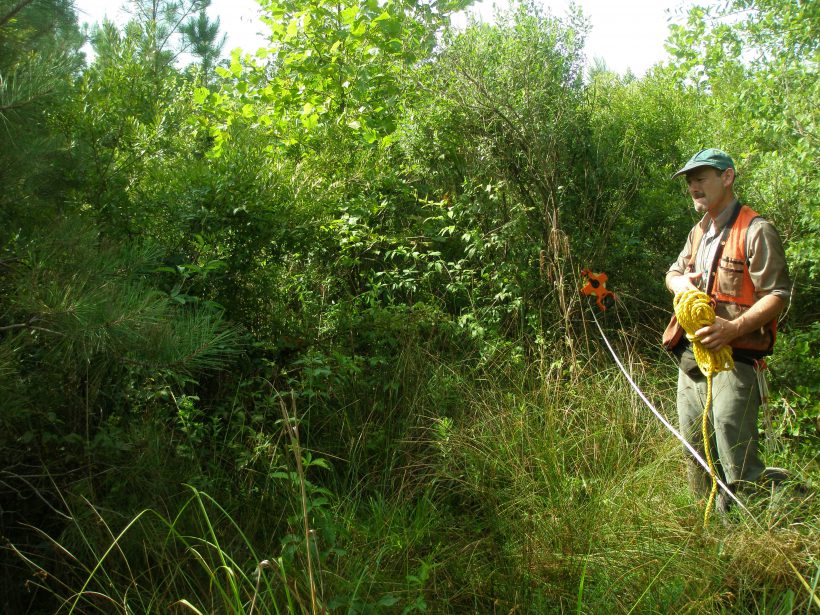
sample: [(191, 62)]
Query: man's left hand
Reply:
[(717, 335)]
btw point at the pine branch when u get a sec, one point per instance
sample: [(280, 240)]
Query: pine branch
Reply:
[(24, 103), (10, 15), (32, 81), (31, 327)]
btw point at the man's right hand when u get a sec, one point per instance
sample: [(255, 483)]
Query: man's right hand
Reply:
[(679, 283)]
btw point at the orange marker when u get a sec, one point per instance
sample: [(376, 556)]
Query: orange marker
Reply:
[(596, 285)]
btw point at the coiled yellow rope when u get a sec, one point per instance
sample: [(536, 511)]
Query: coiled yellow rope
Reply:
[(694, 311)]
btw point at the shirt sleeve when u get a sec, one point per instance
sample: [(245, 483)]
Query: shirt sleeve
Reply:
[(767, 260), (679, 266)]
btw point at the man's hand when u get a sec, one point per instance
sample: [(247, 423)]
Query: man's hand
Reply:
[(717, 335), (722, 332), (679, 283)]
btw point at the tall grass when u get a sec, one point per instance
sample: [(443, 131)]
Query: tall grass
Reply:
[(502, 489), (200, 561)]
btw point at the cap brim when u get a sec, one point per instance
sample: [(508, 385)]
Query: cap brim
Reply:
[(689, 167)]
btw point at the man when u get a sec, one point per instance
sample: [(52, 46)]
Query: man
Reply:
[(737, 258)]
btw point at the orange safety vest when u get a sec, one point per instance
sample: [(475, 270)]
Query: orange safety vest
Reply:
[(730, 287)]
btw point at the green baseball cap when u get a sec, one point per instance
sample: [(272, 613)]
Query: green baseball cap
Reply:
[(708, 158)]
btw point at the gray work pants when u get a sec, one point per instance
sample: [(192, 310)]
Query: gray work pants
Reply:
[(732, 425)]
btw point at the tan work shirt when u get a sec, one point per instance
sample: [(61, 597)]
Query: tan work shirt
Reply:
[(764, 253)]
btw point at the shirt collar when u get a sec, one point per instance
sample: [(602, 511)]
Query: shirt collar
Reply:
[(722, 219)]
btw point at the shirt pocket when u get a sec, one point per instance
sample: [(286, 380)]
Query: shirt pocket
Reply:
[(730, 276)]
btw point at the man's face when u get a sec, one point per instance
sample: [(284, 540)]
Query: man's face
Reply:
[(710, 189)]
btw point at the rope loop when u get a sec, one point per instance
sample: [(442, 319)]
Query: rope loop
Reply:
[(694, 310)]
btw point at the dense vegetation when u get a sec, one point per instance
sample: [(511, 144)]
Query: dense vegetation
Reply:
[(300, 330)]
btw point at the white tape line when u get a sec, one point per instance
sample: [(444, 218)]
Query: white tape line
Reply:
[(666, 423)]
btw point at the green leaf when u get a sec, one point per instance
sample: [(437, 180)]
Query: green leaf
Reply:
[(293, 29), (320, 462), (387, 600), (359, 29), (201, 95), (349, 14), (236, 68), (310, 121)]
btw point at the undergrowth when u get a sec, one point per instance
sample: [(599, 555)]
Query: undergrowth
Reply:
[(497, 490)]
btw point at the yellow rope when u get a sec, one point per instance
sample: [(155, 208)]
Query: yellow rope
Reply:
[(694, 310)]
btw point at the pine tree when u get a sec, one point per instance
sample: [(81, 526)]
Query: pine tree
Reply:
[(39, 57), (204, 41)]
